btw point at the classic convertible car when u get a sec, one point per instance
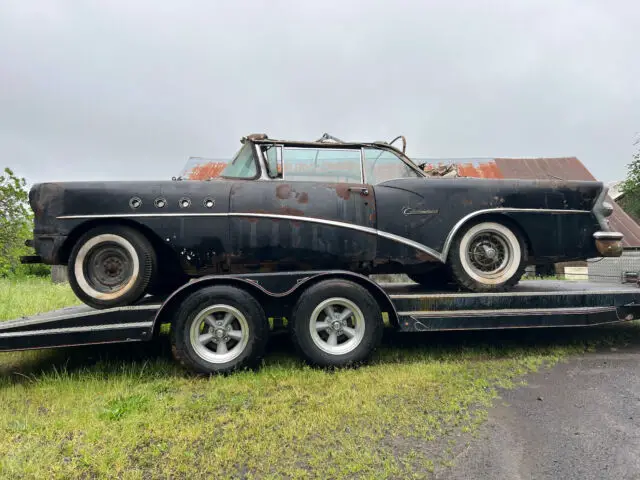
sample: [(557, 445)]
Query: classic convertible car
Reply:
[(326, 204)]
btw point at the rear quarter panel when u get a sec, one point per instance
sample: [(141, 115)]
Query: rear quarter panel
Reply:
[(555, 216), (199, 239)]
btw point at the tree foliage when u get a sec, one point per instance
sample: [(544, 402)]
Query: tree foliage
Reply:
[(631, 187), (16, 224)]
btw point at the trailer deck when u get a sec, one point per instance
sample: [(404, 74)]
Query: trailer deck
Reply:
[(532, 304)]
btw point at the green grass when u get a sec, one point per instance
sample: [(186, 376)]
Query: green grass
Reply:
[(32, 295), (129, 412)]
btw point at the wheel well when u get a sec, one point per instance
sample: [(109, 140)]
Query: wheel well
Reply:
[(76, 233), (498, 218), (168, 309), (372, 287)]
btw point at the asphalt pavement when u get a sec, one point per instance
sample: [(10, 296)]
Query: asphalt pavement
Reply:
[(578, 420)]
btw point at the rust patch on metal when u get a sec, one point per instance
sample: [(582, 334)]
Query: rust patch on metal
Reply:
[(343, 191), (283, 191), (423, 257), (291, 211)]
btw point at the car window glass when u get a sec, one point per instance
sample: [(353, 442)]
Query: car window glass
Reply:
[(322, 165), (381, 165), (242, 166)]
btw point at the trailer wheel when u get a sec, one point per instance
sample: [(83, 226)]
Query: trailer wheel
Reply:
[(219, 329), (488, 256), (336, 323), (111, 266)]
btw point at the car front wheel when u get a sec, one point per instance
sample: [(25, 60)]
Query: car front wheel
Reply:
[(488, 256), (111, 266)]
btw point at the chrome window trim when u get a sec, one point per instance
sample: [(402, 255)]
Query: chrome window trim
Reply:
[(261, 163), (279, 161)]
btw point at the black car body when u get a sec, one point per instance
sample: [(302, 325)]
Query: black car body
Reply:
[(285, 205)]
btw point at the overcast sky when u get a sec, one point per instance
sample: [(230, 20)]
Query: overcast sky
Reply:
[(130, 89)]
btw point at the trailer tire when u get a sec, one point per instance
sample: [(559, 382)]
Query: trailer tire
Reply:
[(111, 266), (352, 334), (215, 316)]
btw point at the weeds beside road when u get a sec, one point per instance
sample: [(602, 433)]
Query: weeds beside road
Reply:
[(129, 412)]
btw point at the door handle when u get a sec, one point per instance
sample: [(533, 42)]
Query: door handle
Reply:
[(362, 190)]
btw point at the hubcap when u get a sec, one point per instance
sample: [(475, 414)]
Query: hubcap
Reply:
[(108, 267), (488, 253), (337, 326), (219, 333)]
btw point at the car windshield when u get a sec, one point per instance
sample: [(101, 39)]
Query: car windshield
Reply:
[(243, 164)]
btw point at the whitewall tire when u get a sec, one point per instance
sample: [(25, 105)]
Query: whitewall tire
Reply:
[(111, 266), (488, 256)]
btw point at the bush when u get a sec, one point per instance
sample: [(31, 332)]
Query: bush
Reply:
[(16, 225)]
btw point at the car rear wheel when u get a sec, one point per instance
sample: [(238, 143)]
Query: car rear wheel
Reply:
[(111, 266), (219, 329), (336, 323), (488, 256)]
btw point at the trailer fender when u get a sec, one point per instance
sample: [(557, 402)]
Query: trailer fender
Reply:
[(271, 287)]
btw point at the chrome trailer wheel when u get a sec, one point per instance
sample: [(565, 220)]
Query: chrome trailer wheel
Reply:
[(219, 329), (336, 323), (337, 326)]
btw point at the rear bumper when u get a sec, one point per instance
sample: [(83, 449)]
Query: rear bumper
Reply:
[(47, 249), (608, 244), (31, 259)]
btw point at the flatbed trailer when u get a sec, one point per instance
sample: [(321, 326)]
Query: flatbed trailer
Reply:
[(220, 323)]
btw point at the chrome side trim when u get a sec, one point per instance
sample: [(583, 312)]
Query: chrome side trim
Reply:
[(323, 221), (54, 331), (442, 256), (141, 215), (463, 220)]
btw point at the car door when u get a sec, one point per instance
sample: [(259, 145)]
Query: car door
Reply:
[(407, 208), (316, 213)]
